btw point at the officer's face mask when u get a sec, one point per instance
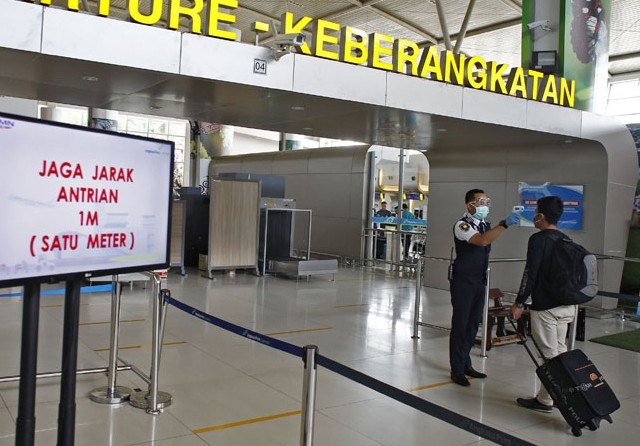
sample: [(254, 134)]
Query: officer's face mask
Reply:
[(481, 212)]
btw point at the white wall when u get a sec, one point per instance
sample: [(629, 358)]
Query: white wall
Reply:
[(332, 182), (244, 143), (17, 106), (498, 171)]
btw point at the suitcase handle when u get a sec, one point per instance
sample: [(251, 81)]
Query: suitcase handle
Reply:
[(524, 343)]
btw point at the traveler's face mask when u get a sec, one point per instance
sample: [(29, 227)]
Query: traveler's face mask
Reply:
[(537, 219)]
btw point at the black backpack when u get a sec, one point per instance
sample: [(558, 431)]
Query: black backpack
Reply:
[(573, 272)]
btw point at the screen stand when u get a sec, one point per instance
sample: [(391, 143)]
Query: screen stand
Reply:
[(26, 422), (67, 408)]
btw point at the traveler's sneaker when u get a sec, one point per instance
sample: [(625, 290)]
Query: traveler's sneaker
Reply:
[(534, 404)]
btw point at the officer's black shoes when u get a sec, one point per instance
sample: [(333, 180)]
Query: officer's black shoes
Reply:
[(534, 404), (475, 374), (460, 379)]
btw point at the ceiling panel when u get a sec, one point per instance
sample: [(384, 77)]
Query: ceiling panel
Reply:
[(370, 22), (486, 45), (625, 26), (625, 66)]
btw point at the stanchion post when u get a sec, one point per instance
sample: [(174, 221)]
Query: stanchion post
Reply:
[(416, 310), (155, 352), (308, 394), (163, 318), (113, 345), (26, 421), (154, 401), (112, 393), (67, 406), (573, 328), (485, 314), (397, 252)]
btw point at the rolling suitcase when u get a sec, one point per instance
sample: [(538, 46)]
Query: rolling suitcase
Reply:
[(578, 389)]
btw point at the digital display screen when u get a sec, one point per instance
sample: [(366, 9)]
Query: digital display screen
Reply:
[(76, 200)]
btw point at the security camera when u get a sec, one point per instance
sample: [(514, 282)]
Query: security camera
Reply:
[(285, 43), (289, 40), (544, 24)]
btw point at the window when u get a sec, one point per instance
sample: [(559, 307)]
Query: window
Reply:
[(160, 128)]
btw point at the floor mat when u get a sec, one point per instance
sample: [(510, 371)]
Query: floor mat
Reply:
[(628, 340)]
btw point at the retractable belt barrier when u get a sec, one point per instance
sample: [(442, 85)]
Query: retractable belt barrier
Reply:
[(618, 295), (439, 412), (245, 332)]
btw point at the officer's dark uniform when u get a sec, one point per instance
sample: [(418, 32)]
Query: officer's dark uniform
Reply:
[(467, 291)]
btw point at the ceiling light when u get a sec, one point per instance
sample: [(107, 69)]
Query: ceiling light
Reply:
[(307, 128), (568, 141), (297, 108), (90, 78)]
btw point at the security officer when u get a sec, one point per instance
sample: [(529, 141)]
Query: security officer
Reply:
[(472, 236)]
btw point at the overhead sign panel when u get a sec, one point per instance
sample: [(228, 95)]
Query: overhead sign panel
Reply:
[(330, 40)]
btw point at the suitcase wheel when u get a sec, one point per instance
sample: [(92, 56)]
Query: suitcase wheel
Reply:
[(593, 425), (576, 431), (608, 418)]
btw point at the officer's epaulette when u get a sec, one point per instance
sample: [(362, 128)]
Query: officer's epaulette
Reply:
[(470, 221)]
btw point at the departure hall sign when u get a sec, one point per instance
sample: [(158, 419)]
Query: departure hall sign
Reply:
[(330, 40)]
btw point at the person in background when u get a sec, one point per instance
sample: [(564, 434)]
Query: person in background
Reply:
[(381, 239), (383, 211), (473, 236), (406, 215), (549, 319)]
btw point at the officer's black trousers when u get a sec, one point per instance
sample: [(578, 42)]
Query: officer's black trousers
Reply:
[(467, 299)]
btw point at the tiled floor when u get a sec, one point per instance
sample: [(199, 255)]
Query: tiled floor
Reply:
[(232, 391)]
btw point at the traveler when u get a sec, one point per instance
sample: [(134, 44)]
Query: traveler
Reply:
[(549, 319)]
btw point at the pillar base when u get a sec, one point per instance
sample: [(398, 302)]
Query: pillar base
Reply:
[(101, 395), (142, 400)]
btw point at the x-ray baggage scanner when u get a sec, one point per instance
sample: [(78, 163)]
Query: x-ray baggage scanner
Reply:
[(285, 241)]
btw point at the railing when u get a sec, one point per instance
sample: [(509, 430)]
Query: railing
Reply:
[(113, 367), (394, 237), (153, 400), (485, 314)]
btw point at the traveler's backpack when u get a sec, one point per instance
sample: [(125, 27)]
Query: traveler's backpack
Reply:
[(573, 272)]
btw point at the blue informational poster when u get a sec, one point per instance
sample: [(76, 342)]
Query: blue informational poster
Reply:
[(572, 197)]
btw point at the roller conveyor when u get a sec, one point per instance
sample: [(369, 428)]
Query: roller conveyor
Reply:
[(299, 267)]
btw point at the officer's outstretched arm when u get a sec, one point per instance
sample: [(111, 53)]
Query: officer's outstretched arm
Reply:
[(488, 237)]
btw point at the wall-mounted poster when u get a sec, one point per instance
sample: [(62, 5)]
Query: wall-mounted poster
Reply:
[(572, 197)]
